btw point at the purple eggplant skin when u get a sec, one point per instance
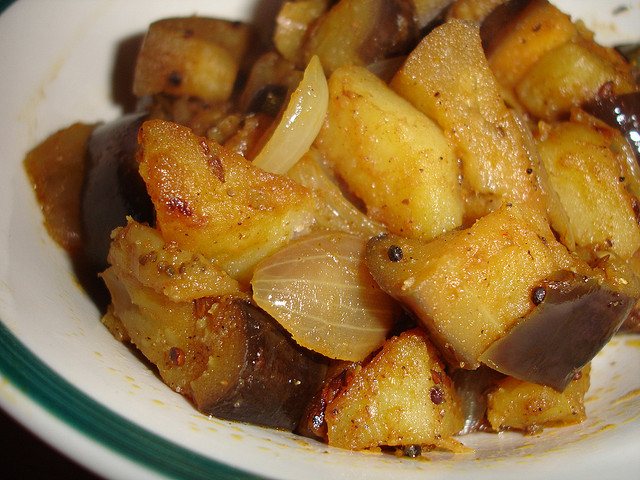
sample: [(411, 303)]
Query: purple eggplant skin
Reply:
[(113, 189), (277, 380), (621, 112), (575, 317), (472, 387)]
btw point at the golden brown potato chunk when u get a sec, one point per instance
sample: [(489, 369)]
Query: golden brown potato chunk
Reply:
[(552, 64), (590, 175), (192, 57), (359, 32), (401, 397), (167, 332), (448, 78), (390, 155), (538, 29), (182, 276), (518, 405), (569, 76), (211, 200), (56, 170)]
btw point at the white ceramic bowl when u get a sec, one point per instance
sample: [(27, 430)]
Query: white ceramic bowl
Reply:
[(64, 377)]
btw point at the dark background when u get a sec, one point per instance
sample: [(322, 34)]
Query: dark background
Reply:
[(25, 456)]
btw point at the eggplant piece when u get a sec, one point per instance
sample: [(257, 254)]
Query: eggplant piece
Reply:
[(621, 112), (479, 293), (276, 378), (113, 189), (469, 287), (230, 358), (575, 318)]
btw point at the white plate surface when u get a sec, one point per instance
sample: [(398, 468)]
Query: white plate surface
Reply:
[(64, 376)]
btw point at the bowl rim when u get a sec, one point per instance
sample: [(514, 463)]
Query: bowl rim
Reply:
[(50, 391)]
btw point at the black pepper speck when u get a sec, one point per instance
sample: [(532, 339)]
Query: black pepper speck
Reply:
[(537, 295), (395, 253)]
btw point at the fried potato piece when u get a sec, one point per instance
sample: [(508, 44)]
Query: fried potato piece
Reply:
[(292, 23), (518, 405), (359, 32), (391, 156), (212, 201), (538, 29), (551, 64), (469, 287), (56, 171), (401, 397), (569, 76), (144, 280), (589, 173), (193, 57), (448, 78), (182, 276)]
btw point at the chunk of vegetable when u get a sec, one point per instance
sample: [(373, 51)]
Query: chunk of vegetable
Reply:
[(390, 155), (211, 200), (551, 64), (182, 276), (113, 188), (56, 170), (448, 78), (359, 32), (591, 175), (192, 56), (319, 289), (401, 397), (572, 75), (230, 358), (518, 405), (577, 317), (473, 288), (300, 122), (537, 29)]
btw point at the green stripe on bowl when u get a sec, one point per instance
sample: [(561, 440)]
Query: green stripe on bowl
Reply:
[(42, 385), (4, 4)]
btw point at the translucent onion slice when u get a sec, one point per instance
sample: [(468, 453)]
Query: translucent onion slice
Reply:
[(320, 290), (300, 123), (334, 212)]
